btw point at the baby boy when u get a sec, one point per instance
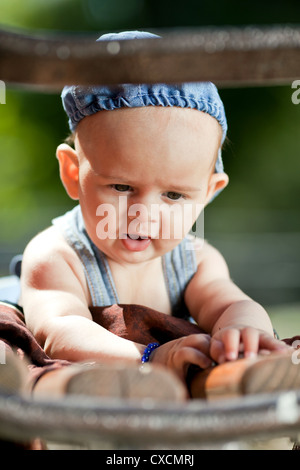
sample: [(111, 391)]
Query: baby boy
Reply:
[(146, 160)]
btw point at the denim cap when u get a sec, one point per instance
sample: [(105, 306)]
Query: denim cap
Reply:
[(81, 101)]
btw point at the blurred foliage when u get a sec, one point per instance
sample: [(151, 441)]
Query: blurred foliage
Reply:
[(262, 157)]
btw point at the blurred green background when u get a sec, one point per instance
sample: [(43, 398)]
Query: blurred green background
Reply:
[(255, 222)]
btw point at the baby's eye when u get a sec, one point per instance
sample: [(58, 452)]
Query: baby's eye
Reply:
[(122, 188), (174, 196)]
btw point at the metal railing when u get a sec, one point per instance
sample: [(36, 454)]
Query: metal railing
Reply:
[(122, 424), (227, 56)]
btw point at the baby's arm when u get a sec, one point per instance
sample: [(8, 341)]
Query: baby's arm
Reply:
[(55, 299), (236, 323)]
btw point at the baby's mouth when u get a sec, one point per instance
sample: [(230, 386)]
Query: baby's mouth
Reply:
[(134, 242), (137, 237)]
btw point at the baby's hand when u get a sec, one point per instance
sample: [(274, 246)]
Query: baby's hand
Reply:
[(180, 353), (228, 343)]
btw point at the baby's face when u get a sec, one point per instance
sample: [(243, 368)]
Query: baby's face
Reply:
[(145, 174)]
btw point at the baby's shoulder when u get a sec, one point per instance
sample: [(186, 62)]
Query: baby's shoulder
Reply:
[(203, 250), (47, 248), (49, 240), (48, 260)]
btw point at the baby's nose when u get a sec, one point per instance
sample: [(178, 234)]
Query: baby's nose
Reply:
[(144, 212), (146, 217)]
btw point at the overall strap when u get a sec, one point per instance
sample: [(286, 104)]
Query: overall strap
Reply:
[(179, 267), (96, 268)]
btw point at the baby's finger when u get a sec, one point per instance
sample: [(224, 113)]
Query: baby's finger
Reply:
[(197, 358), (200, 342), (250, 337), (217, 351), (231, 341), (190, 356), (264, 352), (271, 344)]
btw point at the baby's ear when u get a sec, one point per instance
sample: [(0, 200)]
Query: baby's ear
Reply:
[(217, 182), (68, 169)]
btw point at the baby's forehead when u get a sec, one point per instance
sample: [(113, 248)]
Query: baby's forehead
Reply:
[(126, 136), (161, 118)]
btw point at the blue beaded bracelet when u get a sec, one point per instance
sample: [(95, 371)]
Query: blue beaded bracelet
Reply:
[(148, 351)]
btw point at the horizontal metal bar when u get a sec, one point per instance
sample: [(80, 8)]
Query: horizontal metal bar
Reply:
[(148, 424), (227, 56)]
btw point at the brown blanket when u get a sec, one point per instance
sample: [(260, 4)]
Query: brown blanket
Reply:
[(134, 322)]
